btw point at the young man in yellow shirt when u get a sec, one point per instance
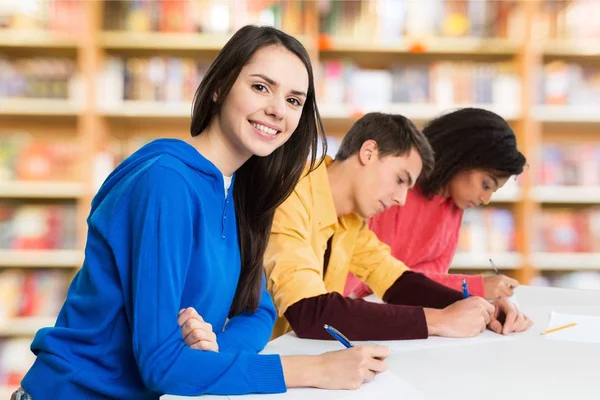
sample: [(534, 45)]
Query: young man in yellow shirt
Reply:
[(319, 235)]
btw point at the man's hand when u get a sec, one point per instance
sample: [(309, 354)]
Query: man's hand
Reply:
[(196, 332), (465, 318), (507, 318)]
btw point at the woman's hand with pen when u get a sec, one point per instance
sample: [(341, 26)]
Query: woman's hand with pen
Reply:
[(196, 333), (498, 286), (344, 369)]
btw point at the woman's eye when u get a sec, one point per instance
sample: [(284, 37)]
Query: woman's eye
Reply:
[(486, 186), (400, 181), (295, 102), (259, 87)]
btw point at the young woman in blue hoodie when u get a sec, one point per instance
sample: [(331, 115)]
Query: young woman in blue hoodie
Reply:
[(184, 224)]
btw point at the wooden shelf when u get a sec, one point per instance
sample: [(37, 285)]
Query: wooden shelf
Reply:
[(117, 40), (124, 40), (41, 258), (566, 261), (419, 112), (570, 114), (507, 196), (39, 39), (572, 48), (24, 326), (148, 109), (41, 190), (439, 45), (566, 194), (482, 261), (37, 107)]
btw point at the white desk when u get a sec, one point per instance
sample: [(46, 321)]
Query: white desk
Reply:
[(528, 367)]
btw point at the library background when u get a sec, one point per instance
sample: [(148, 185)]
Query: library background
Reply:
[(83, 84)]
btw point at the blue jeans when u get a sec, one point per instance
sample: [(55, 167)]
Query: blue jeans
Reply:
[(20, 394)]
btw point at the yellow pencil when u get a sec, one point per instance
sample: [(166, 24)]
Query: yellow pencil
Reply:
[(558, 328)]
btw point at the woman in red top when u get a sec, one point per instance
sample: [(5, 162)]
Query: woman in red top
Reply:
[(476, 153)]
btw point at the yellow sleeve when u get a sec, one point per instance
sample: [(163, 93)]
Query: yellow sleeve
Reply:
[(292, 267), (373, 263)]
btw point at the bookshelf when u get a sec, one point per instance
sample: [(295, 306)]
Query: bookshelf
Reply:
[(467, 261), (6, 392), (115, 40), (437, 45), (148, 109), (95, 125), (567, 261), (40, 190), (569, 48), (566, 194), (41, 258), (38, 107), (36, 39), (417, 112), (25, 326), (567, 114)]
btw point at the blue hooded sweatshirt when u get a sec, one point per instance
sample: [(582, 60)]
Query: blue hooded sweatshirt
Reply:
[(162, 236)]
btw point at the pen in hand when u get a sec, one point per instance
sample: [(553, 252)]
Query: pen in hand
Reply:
[(494, 266), (465, 289), (338, 336)]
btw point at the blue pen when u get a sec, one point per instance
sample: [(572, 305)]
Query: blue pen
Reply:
[(338, 336), (465, 289)]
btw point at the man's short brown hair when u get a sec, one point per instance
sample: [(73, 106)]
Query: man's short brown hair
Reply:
[(394, 134)]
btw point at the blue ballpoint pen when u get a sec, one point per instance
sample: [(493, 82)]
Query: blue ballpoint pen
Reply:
[(338, 336), (465, 289)]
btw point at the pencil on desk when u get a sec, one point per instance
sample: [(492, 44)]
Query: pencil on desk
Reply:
[(558, 328)]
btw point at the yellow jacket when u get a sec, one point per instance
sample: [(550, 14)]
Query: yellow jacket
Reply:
[(294, 256)]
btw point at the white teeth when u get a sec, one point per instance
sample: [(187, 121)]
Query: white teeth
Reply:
[(264, 129)]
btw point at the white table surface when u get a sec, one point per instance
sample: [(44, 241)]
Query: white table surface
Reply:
[(528, 367)]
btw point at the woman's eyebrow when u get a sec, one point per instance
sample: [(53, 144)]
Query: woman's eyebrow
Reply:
[(273, 82)]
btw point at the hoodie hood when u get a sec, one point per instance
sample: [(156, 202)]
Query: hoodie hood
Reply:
[(145, 156)]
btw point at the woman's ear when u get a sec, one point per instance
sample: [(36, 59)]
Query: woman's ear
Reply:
[(367, 152)]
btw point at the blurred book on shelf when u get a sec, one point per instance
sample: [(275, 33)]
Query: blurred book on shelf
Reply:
[(444, 84), (24, 293), (391, 20), (570, 164), (15, 360), (570, 84), (489, 230), (161, 79), (30, 226), (26, 158), (37, 77), (572, 19), (201, 16), (568, 231), (54, 15)]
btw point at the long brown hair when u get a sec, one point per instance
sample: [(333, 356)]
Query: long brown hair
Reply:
[(261, 183)]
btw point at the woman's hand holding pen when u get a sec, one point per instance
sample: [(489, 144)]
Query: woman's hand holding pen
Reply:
[(465, 318), (344, 369), (498, 286), (196, 333)]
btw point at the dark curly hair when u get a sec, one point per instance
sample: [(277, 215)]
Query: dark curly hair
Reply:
[(470, 138)]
